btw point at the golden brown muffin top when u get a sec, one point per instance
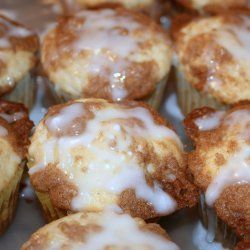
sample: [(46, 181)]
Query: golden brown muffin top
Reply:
[(111, 54), (215, 59), (106, 230), (106, 154), (16, 37), (215, 6), (15, 128), (220, 162), (17, 48), (15, 119), (131, 4)]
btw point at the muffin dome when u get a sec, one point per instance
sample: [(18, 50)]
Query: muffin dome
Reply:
[(98, 231), (14, 138), (15, 127), (92, 154), (17, 48), (110, 54), (130, 4), (216, 60), (220, 162), (215, 5)]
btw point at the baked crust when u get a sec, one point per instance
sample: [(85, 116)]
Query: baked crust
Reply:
[(243, 245), (14, 117), (78, 229), (161, 160), (100, 69), (154, 8), (17, 44), (215, 6), (214, 60), (215, 149), (15, 129)]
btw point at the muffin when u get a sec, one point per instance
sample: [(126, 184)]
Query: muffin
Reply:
[(14, 139), (220, 166), (215, 6), (212, 64), (90, 154), (17, 57), (108, 230), (111, 54), (154, 8)]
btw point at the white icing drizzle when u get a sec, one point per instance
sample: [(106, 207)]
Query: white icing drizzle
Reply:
[(237, 168), (59, 122), (201, 242), (12, 31), (123, 233), (13, 117), (236, 39), (239, 119), (110, 38), (119, 231), (3, 131), (213, 81), (210, 121), (118, 168)]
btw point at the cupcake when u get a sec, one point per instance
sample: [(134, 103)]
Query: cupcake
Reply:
[(111, 54), (212, 64), (153, 8), (221, 167), (215, 6), (90, 154), (17, 57), (14, 138), (108, 230)]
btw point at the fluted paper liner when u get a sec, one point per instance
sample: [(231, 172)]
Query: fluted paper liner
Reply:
[(8, 199), (189, 98)]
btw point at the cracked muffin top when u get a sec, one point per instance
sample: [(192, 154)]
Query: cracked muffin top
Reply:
[(15, 129), (91, 154), (215, 60), (220, 162), (113, 54), (215, 6), (17, 53), (97, 231)]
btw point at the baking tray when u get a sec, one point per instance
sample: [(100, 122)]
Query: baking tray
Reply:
[(183, 227)]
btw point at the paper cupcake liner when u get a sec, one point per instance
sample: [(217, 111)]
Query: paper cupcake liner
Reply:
[(49, 211), (23, 92), (156, 98), (8, 199), (189, 98), (217, 230)]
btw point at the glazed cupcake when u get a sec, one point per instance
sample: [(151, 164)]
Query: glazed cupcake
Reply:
[(111, 54), (221, 168), (212, 64), (90, 154), (17, 57), (215, 6), (15, 127), (108, 230), (154, 8)]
